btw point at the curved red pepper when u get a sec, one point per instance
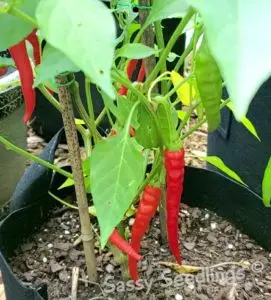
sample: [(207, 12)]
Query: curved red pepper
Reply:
[(117, 240), (142, 72), (130, 71), (19, 54), (147, 207), (34, 41), (174, 164)]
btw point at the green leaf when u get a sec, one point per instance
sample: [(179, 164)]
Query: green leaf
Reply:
[(83, 30), (235, 35), (164, 9), (146, 134), (246, 122), (67, 183), (6, 62), (52, 64), (14, 29), (117, 170), (266, 185), (135, 51), (124, 107), (217, 162)]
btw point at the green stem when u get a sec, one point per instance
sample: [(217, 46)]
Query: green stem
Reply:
[(188, 115), (56, 104), (109, 116), (198, 125), (20, 14), (34, 158), (175, 89), (169, 46), (161, 45), (91, 110), (100, 117), (49, 97), (197, 33)]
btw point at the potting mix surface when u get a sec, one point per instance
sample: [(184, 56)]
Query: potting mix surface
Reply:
[(226, 264)]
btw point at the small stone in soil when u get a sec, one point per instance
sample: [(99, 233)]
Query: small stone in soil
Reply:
[(27, 247), (109, 268), (55, 267), (178, 297)]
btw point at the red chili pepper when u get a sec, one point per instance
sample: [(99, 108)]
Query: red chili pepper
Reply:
[(147, 207), (3, 71), (117, 240), (130, 70), (142, 72), (19, 54), (34, 41), (174, 164)]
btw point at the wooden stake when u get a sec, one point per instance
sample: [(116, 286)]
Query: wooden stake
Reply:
[(87, 234)]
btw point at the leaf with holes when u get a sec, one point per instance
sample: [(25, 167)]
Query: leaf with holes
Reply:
[(14, 29), (52, 64), (117, 170), (83, 30), (238, 45)]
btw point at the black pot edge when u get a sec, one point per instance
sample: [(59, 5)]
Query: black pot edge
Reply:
[(197, 192)]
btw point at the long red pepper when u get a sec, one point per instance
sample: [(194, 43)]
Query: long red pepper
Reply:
[(174, 164), (130, 71), (117, 240), (147, 207), (34, 41), (19, 54)]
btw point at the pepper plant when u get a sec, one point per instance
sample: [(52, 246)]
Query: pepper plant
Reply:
[(143, 150)]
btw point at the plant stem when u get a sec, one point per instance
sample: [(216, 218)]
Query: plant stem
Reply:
[(20, 14), (200, 123), (49, 97), (34, 158), (65, 100), (100, 117), (197, 33), (56, 104), (148, 36), (161, 45), (79, 106), (175, 89), (187, 116), (170, 45), (94, 131)]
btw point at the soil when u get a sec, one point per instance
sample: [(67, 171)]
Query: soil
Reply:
[(207, 240)]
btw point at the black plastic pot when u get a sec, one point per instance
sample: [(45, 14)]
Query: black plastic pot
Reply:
[(31, 206), (46, 120), (238, 148)]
